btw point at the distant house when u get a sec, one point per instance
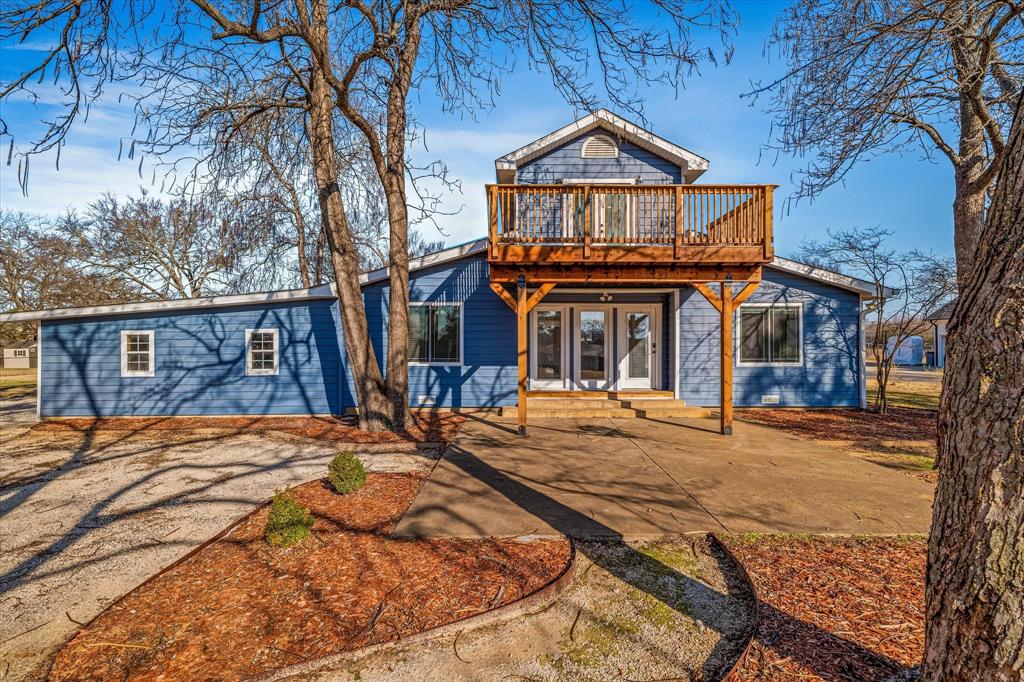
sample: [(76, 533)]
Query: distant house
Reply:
[(939, 320), (21, 355), (605, 268)]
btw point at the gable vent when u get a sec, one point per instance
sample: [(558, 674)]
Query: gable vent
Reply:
[(600, 147)]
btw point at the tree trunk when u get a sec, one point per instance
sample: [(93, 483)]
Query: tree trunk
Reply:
[(398, 300), (975, 582), (969, 200), (375, 412)]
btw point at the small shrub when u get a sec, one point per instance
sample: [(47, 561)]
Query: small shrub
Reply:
[(289, 522), (346, 473)]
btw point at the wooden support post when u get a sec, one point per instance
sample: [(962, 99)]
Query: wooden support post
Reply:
[(588, 221), (725, 392), (492, 227), (677, 238), (504, 295), (521, 312), (538, 296)]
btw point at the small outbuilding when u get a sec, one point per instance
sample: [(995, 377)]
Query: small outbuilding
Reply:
[(20, 355), (939, 320)]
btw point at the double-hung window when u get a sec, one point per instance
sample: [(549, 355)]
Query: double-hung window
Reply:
[(262, 351), (435, 333), (138, 354), (770, 334)]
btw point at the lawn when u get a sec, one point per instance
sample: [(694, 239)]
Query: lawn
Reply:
[(17, 383), (922, 395)]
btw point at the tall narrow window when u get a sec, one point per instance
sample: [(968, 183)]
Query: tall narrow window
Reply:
[(137, 353), (261, 352), (770, 335), (435, 333)]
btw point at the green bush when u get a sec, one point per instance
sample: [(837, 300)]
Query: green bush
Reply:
[(346, 473), (289, 522)]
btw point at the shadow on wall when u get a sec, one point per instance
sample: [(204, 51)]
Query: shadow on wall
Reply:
[(199, 365)]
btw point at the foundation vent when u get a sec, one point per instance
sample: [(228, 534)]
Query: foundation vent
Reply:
[(425, 399), (770, 399)]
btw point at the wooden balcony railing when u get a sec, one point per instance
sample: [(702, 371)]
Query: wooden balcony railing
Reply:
[(631, 223)]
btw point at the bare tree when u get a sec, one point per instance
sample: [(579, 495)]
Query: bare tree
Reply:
[(975, 588), (185, 248), (39, 269), (907, 286), (209, 68), (868, 77)]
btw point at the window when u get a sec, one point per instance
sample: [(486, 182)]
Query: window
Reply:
[(770, 335), (21, 353), (599, 147), (261, 352), (435, 333), (137, 354)]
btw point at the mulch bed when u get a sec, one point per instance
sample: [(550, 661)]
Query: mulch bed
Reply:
[(239, 608), (432, 427), (834, 608), (898, 423)]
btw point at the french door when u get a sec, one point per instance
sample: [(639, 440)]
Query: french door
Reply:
[(637, 347), (548, 362), (592, 347)]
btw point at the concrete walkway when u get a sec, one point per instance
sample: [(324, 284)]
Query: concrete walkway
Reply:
[(646, 478)]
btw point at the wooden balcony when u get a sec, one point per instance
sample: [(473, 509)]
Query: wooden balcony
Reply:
[(705, 227)]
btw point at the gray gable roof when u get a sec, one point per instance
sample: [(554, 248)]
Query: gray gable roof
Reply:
[(691, 165)]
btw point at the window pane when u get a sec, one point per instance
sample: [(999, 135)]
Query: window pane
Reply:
[(592, 328), (418, 333), (444, 325), (753, 330), (785, 335), (549, 344)]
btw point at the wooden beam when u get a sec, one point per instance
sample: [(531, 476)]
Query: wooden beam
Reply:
[(538, 295), (505, 296), (492, 229), (744, 294), (521, 312), (627, 273), (707, 293), (725, 385), (588, 222), (677, 235)]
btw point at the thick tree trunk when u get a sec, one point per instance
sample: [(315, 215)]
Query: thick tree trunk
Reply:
[(375, 410), (397, 385), (975, 582), (973, 161)]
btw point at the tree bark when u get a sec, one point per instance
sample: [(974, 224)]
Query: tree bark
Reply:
[(375, 413), (975, 581)]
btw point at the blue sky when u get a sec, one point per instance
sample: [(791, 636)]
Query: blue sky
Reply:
[(907, 193)]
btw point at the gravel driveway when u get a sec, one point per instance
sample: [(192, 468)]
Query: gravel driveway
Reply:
[(88, 516)]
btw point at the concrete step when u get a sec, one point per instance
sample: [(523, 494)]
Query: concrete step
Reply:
[(686, 412), (652, 403)]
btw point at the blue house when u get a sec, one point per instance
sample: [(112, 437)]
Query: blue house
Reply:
[(605, 261)]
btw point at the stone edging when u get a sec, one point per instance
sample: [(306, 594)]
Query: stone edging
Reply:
[(734, 673), (541, 598)]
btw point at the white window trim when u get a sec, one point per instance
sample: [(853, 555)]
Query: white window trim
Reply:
[(739, 335), (249, 371), (462, 331), (125, 372)]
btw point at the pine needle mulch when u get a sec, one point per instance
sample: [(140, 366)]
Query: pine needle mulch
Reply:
[(238, 607), (434, 427), (898, 423), (834, 608)]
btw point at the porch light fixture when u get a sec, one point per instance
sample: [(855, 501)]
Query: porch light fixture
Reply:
[(605, 297)]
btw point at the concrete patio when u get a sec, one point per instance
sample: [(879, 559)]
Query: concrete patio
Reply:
[(651, 478)]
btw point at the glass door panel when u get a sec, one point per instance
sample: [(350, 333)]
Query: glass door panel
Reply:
[(636, 348), (592, 371), (549, 359)]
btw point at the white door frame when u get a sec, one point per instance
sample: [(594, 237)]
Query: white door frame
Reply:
[(592, 384), (654, 366), (549, 384)]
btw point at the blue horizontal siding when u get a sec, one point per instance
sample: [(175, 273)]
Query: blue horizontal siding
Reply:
[(565, 162), (487, 377), (200, 353), (199, 367), (828, 374)]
